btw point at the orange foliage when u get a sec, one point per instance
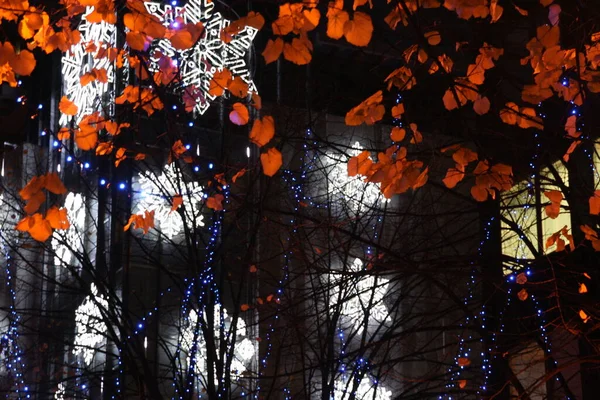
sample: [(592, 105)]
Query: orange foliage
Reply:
[(271, 161), (262, 131), (553, 209), (369, 111), (239, 115), (215, 202), (141, 221)]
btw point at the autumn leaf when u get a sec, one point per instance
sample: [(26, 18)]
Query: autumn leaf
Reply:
[(37, 226), (584, 317), (67, 107), (582, 288), (271, 161), (215, 202), (369, 111), (252, 269), (358, 31), (104, 148), (120, 156), (57, 218), (244, 307), (177, 201), (141, 221), (463, 362), (23, 63), (433, 38), (453, 177), (397, 134), (594, 203), (336, 19), (86, 139), (523, 295), (238, 87), (219, 82), (553, 209), (481, 105), (262, 131), (462, 383), (238, 175), (397, 111), (299, 51), (239, 115), (522, 278), (53, 184), (273, 50)]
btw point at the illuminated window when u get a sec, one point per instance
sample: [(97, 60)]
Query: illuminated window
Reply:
[(90, 327), (244, 348), (64, 243), (78, 61), (360, 296), (353, 190), (519, 207), (529, 367), (156, 192), (366, 390), (209, 55)]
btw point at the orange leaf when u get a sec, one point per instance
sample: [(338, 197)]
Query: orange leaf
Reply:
[(481, 105), (58, 218), (397, 111), (271, 161), (244, 307), (417, 136), (583, 288), (86, 139), (521, 278), (555, 197), (463, 362), (34, 186), (462, 383), (120, 156), (238, 87), (298, 52), (177, 201), (594, 203), (38, 227), (63, 134), (273, 50), (358, 31), (583, 315), (144, 222), (136, 40), (262, 131), (522, 295), (23, 63), (479, 193), (238, 175), (67, 107), (369, 111), (53, 184), (104, 148), (215, 202), (433, 38), (253, 268), (397, 134), (219, 81), (453, 176), (239, 115), (336, 20), (34, 203)]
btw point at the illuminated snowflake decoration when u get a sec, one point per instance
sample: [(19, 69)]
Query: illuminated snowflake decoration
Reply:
[(60, 392), (90, 327), (242, 354), (366, 390), (67, 242), (355, 191), (156, 192), (361, 296), (77, 61), (210, 54)]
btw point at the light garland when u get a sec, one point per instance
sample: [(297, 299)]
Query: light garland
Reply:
[(155, 192), (60, 392), (243, 351), (353, 189), (90, 326), (66, 243), (78, 61), (358, 297), (210, 54)]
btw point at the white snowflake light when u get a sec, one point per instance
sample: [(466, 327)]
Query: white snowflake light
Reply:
[(356, 192), (78, 61), (366, 390), (210, 54), (90, 327), (156, 192), (242, 354), (361, 296), (72, 238), (60, 392)]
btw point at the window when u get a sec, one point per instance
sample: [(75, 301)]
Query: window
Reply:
[(521, 224)]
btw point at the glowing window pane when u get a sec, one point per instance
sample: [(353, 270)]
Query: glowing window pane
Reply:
[(210, 54), (355, 191), (156, 192), (366, 390), (90, 328), (95, 96), (72, 238), (244, 348), (360, 296)]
